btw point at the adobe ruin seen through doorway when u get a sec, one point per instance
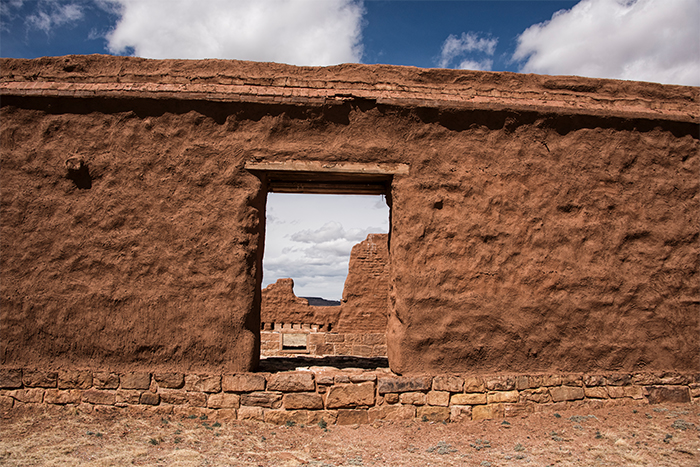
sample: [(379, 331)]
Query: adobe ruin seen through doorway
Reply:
[(290, 326)]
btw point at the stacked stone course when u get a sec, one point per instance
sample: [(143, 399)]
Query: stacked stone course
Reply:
[(351, 396), (320, 343)]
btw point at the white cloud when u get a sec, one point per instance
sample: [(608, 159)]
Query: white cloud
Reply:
[(299, 32), (469, 43), (646, 40), (51, 14)]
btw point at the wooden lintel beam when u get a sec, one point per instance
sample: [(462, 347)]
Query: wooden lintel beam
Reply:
[(354, 168)]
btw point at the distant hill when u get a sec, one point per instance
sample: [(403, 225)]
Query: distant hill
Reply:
[(318, 301)]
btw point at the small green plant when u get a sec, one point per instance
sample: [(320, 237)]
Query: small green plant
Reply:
[(154, 442), (519, 447), (290, 423), (203, 417), (177, 440), (191, 417), (425, 418), (216, 424), (322, 424), (98, 434)]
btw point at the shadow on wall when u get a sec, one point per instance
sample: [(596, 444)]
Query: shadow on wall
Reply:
[(291, 326)]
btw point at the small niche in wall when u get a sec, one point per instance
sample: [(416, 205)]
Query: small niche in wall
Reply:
[(295, 341)]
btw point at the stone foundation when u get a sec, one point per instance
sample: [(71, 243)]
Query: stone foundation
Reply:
[(290, 339), (351, 396)]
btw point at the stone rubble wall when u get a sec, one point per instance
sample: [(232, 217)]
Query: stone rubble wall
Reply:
[(324, 343), (336, 396)]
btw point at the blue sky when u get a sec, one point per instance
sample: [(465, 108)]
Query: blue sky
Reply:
[(646, 40)]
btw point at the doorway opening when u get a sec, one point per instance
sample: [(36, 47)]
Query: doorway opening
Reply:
[(330, 249)]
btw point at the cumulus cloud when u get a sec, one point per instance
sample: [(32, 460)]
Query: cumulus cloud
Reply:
[(51, 14), (645, 40), (298, 32), (468, 43)]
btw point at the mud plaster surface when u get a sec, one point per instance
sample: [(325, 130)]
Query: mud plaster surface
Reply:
[(521, 241)]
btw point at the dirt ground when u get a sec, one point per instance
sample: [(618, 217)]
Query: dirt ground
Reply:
[(660, 435)]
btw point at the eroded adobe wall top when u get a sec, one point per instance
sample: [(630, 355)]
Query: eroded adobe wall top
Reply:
[(232, 80), (365, 295)]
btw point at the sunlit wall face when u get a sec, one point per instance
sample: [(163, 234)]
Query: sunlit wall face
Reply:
[(309, 238)]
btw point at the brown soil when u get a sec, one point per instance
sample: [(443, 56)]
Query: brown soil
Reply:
[(663, 435)]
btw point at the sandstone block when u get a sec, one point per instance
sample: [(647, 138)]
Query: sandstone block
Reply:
[(325, 380), (62, 397), (566, 393), (392, 412), (250, 413), (302, 400), (374, 339), (537, 381), (572, 380), (538, 395), (391, 398), (324, 349), (28, 396), (474, 384), (488, 412), (271, 400), (363, 377), (646, 379), (468, 399), (98, 397), (413, 398), (6, 403), (350, 395), (522, 382), (352, 417), (196, 399), (40, 379), (105, 380), (127, 396), (675, 378), (632, 392), (341, 379), (459, 413), (10, 379), (448, 383), (136, 380), (361, 350), (74, 379), (503, 396), (500, 383), (438, 398), (353, 338), (433, 414), (282, 417), (149, 398), (596, 392), (618, 379), (335, 338), (223, 401), (291, 382), (317, 338), (328, 416), (170, 380), (594, 380), (202, 383), (659, 394), (173, 397), (379, 351), (246, 382), (342, 349), (387, 384)]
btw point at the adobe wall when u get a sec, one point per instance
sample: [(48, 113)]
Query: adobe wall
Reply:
[(547, 224)]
